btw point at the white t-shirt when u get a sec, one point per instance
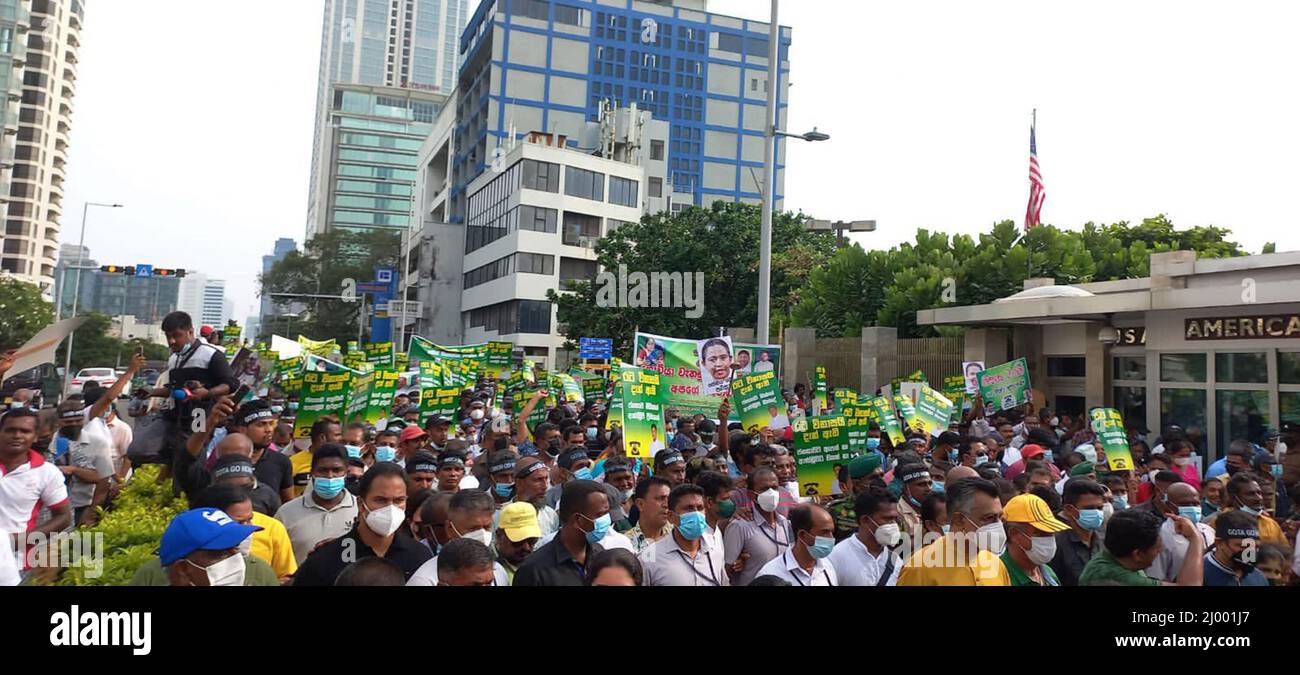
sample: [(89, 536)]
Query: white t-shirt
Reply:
[(427, 575), (9, 575), (1170, 559), (27, 488)]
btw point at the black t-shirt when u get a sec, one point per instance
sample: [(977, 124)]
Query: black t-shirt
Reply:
[(274, 470), (203, 363), (323, 566), (265, 500)]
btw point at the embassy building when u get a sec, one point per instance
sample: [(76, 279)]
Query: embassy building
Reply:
[(1211, 345)]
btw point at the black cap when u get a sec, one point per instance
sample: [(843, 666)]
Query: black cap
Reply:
[(706, 427), (437, 421), (451, 458), (949, 438), (501, 462)]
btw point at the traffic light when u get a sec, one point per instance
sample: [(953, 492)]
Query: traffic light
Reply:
[(130, 270), (116, 269), (162, 272)]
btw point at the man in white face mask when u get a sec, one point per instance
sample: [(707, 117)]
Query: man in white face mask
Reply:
[(968, 554), (469, 516), (867, 558), (1031, 541), (381, 505), (751, 542), (201, 547)]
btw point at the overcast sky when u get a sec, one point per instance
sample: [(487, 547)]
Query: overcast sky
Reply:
[(1183, 108)]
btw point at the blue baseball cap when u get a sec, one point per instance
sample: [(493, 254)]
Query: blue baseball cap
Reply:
[(201, 529)]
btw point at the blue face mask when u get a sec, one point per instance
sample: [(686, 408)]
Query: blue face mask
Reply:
[(583, 474), (937, 486), (671, 435), (602, 525), (821, 547), (873, 443), (952, 456), (591, 433), (1192, 513), (947, 528), (981, 460), (293, 406), (385, 454), (327, 488), (1047, 456), (1121, 502), (1276, 470), (354, 451), (1091, 519), (692, 525), (504, 489)]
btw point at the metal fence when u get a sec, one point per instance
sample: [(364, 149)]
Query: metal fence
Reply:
[(937, 357), (843, 360)]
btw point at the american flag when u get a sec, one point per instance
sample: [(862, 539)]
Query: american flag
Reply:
[(1037, 194)]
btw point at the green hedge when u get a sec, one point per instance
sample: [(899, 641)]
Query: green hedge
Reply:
[(132, 529)]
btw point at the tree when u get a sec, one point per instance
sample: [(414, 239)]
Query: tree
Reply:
[(320, 269), (886, 288), (722, 244), (25, 312)]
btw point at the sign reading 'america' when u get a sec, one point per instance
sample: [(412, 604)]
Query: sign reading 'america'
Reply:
[(1243, 327)]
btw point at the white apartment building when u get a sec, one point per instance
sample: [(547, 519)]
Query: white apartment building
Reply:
[(204, 299)]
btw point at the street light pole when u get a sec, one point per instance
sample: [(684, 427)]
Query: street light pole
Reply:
[(763, 333), (76, 290)]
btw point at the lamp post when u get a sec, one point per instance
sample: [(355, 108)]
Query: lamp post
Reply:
[(840, 227), (770, 134), (76, 290)]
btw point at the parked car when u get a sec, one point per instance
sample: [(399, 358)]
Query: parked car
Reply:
[(104, 376)]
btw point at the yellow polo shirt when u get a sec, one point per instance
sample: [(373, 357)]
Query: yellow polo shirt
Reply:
[(939, 565), (1269, 530), (272, 544)]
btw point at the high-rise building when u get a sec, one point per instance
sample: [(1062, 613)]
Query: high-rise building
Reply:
[(39, 40), (203, 298), (386, 68), (549, 65), (146, 298), (282, 247)]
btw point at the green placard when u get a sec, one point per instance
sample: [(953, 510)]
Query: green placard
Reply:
[(382, 390), (888, 420), (819, 386), (498, 358), (1005, 386), (933, 411), (643, 417), (907, 411), (858, 415), (758, 398), (821, 446), (323, 393), (954, 389), (1108, 424), (676, 362), (593, 389), (358, 397), (380, 354)]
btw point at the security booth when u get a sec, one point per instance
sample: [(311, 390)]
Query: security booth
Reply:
[(1211, 345)]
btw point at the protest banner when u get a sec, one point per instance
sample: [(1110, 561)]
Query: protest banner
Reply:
[(232, 334), (888, 420), (1108, 424), (593, 389), (821, 447), (564, 384), (842, 397), (498, 358), (677, 363), (933, 411), (716, 362), (819, 386), (1006, 386), (323, 393), (907, 412), (321, 348), (380, 354), (358, 397), (970, 375), (859, 414), (758, 399), (382, 390), (642, 412)]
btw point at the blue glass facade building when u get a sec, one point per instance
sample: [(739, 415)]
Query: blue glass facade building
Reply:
[(546, 65)]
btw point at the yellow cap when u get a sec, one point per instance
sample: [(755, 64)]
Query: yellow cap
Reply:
[(519, 520), (1033, 510)]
